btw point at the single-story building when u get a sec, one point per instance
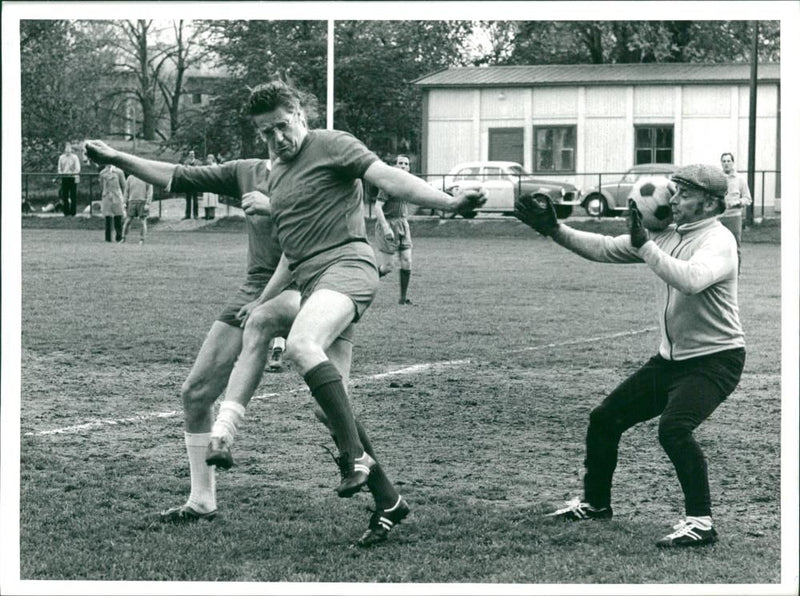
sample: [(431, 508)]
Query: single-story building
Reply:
[(575, 122)]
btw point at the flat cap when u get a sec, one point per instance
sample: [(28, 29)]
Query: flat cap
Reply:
[(710, 179)]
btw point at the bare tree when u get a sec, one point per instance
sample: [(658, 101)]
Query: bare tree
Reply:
[(187, 52)]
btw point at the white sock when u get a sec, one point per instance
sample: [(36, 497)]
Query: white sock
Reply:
[(203, 497), (279, 342), (228, 419), (704, 521)]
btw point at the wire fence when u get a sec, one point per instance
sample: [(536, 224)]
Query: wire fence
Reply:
[(41, 191)]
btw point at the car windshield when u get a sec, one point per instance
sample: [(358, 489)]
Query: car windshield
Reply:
[(516, 171)]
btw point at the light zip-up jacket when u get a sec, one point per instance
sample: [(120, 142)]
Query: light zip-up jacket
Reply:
[(697, 267)]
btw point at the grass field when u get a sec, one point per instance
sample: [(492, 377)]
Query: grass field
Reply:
[(512, 342)]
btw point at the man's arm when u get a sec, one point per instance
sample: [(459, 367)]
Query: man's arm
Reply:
[(154, 172), (60, 164), (597, 247), (747, 199), (715, 260), (148, 194), (398, 183), (381, 217)]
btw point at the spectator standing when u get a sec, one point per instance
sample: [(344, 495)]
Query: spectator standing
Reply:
[(191, 196), (736, 201), (210, 199), (69, 166), (138, 196), (112, 189)]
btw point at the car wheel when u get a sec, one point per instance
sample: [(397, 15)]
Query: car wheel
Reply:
[(563, 211), (469, 214), (595, 205)]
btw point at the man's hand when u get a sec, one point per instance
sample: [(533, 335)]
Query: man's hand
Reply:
[(468, 200), (99, 152), (245, 311), (256, 203), (635, 228), (536, 213)]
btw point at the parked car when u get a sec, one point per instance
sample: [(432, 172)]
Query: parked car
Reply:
[(612, 197), (503, 181)]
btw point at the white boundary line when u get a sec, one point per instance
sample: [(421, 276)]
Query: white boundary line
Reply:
[(409, 370)]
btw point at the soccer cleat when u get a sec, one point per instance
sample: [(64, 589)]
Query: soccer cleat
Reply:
[(218, 453), (275, 363), (355, 473), (340, 463), (382, 522), (688, 533), (404, 301), (184, 514), (577, 510)]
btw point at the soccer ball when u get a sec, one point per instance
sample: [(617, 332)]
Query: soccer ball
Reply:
[(652, 195)]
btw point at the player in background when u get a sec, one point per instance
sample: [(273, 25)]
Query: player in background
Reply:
[(314, 196), (702, 352), (138, 196), (393, 234), (212, 368)]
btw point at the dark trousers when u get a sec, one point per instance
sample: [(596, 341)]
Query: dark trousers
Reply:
[(191, 205), (684, 393), (117, 227), (69, 195)]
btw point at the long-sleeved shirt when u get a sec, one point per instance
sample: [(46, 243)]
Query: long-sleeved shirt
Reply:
[(234, 179), (738, 194), (69, 163), (138, 190), (697, 289)]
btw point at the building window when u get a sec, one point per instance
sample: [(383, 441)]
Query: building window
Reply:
[(554, 148), (653, 144), (197, 98), (506, 144)]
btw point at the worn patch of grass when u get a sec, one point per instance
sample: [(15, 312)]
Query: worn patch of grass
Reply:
[(480, 448)]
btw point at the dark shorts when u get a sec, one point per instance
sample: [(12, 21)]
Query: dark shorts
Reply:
[(402, 236), (350, 270), (137, 209), (247, 292)]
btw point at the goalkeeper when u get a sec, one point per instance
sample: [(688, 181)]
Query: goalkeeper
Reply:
[(701, 355)]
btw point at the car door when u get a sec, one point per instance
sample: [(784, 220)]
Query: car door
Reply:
[(499, 189)]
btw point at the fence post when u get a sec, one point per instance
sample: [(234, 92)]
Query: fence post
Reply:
[(763, 175)]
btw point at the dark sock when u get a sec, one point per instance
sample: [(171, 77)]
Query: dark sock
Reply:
[(405, 276), (382, 489), (327, 388)]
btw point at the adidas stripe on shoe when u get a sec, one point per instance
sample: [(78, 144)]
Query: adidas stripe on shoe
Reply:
[(382, 522), (577, 510), (688, 532)]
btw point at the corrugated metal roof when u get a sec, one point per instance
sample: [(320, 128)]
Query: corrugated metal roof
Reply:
[(598, 74)]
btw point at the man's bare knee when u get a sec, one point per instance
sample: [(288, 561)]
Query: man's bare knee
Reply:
[(197, 396), (270, 320)]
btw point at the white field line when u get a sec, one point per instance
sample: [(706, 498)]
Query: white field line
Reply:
[(408, 370)]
